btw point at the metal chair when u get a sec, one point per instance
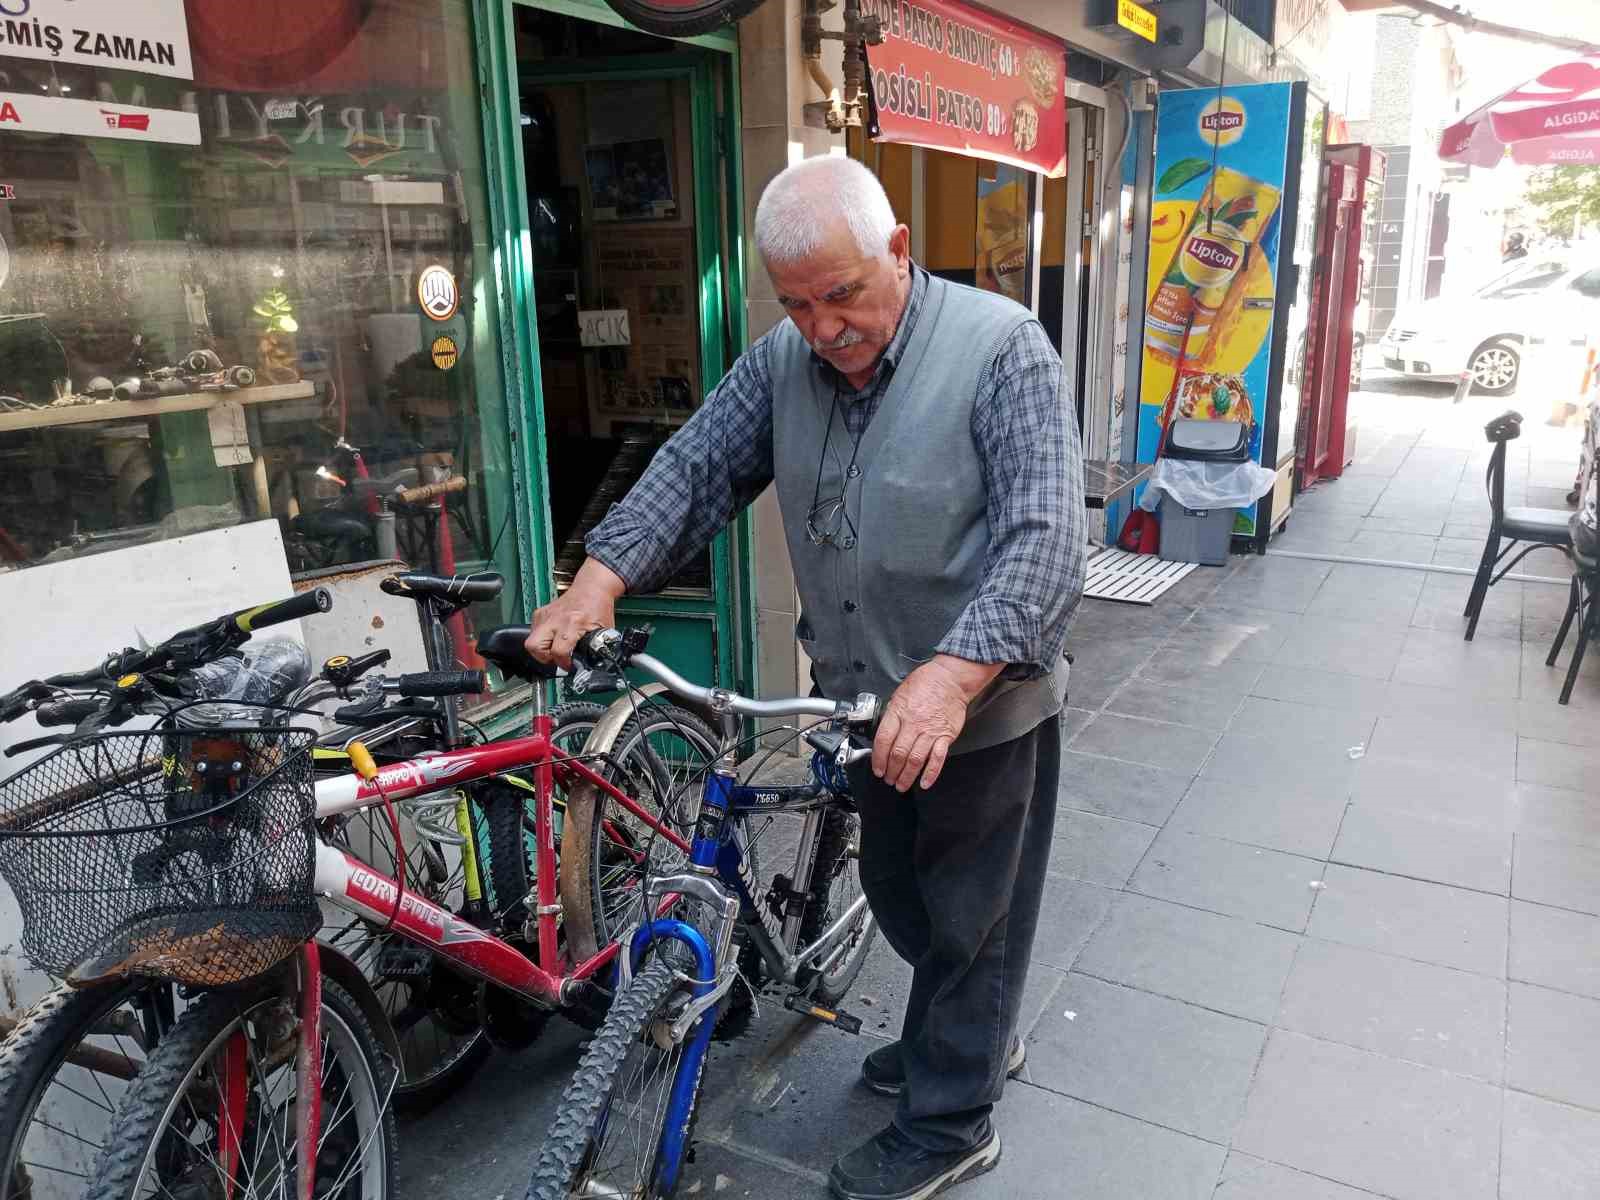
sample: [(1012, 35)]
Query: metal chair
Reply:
[(1539, 528), (1585, 588)]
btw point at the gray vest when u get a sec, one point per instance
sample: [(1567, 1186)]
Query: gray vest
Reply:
[(876, 608)]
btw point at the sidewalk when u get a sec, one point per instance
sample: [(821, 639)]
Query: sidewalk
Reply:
[(1323, 919)]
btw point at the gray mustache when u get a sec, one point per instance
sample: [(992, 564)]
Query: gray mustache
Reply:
[(848, 338)]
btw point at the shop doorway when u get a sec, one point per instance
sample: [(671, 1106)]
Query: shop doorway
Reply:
[(634, 302), (1080, 329)]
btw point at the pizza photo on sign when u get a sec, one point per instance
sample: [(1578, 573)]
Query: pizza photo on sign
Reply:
[(1041, 72), (1024, 126)]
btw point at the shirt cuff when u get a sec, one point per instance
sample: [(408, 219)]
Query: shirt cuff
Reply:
[(994, 629), (630, 549)]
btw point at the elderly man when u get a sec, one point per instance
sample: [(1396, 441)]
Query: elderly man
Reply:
[(930, 480)]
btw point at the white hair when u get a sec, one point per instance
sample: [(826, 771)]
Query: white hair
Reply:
[(804, 202)]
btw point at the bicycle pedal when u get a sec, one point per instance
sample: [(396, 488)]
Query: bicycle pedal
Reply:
[(836, 1017), (404, 963)]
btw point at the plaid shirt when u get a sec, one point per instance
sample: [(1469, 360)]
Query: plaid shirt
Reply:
[(1026, 433)]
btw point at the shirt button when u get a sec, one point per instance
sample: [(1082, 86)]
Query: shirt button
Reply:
[(854, 471), (858, 665), (849, 606), (849, 541)]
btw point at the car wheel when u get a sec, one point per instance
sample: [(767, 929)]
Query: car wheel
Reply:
[(1495, 368)]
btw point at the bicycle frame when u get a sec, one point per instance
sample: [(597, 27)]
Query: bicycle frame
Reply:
[(352, 885)]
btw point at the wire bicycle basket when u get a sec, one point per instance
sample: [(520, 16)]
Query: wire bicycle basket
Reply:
[(178, 854)]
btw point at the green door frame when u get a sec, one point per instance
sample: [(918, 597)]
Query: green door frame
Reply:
[(722, 309)]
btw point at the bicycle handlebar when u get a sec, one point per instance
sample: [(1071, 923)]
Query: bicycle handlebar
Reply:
[(431, 491), (603, 648), (439, 683)]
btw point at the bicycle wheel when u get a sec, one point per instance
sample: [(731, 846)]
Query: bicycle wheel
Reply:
[(64, 1068), (170, 1138), (513, 869), (659, 760), (835, 886), (607, 1135)]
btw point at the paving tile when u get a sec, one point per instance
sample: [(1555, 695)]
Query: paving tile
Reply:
[(1462, 797), (1195, 705), (1396, 1007), (1459, 552), (1303, 724), (1050, 1138), (1240, 630), (1551, 1049), (1247, 1178), (1225, 877), (1557, 873), (1441, 659), (1443, 741), (1069, 914), (1402, 844), (1548, 1151), (1394, 547), (1129, 791), (1223, 963), (722, 1169), (1555, 948), (1322, 689), (1457, 711), (1557, 764), (1099, 850), (1369, 595), (1410, 919), (1072, 720), (1289, 585), (1297, 816), (1464, 527), (1039, 998), (1265, 760), (1443, 603), (1343, 647), (1557, 814), (1427, 526), (1211, 666), (1152, 743), (1402, 1130), (1146, 1056), (1557, 723)]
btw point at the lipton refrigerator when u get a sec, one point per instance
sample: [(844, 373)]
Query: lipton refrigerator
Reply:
[(1218, 290)]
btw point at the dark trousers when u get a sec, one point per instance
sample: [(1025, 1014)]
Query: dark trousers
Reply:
[(954, 875)]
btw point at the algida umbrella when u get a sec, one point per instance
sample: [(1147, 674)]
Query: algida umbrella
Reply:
[(1554, 118)]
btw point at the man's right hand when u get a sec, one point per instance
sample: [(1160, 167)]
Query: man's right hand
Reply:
[(589, 603)]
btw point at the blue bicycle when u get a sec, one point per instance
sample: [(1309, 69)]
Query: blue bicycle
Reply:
[(624, 1124)]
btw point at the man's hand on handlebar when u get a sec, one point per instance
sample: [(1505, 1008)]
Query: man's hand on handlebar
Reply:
[(924, 717), (589, 603)]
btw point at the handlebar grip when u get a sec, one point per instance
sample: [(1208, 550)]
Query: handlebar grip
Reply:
[(431, 491), (441, 683), (66, 712), (306, 604), (14, 704)]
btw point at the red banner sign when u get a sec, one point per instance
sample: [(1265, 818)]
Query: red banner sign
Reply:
[(953, 78)]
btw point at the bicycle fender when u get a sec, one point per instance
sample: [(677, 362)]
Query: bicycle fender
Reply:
[(348, 976)]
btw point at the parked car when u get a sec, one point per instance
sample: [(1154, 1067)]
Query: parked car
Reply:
[(1486, 329)]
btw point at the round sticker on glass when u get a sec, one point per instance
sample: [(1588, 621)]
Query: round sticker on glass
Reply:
[(437, 293), (445, 352)]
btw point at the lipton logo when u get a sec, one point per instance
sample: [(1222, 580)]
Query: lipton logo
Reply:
[(1212, 253), (1214, 121), (120, 120)]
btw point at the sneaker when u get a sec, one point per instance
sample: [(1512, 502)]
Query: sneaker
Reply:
[(884, 1073), (893, 1167)]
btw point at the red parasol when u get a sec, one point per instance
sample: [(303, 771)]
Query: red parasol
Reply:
[(1552, 119)]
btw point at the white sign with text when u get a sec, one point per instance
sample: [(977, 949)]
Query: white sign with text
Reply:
[(604, 327), (151, 36), (93, 118)]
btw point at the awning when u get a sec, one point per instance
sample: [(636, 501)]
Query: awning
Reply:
[(949, 77), (1554, 118)]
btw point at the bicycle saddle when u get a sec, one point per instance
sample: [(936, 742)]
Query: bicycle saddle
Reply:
[(461, 589), (1503, 428), (330, 523), (504, 648)]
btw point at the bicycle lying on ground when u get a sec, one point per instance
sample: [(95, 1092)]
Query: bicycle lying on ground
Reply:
[(623, 1127)]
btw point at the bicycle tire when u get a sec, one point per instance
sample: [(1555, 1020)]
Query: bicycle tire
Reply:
[(512, 872), (685, 22), (640, 768), (32, 1059), (142, 1117), (586, 1103), (838, 849)]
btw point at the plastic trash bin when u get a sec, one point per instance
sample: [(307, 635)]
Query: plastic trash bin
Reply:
[(1201, 534)]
